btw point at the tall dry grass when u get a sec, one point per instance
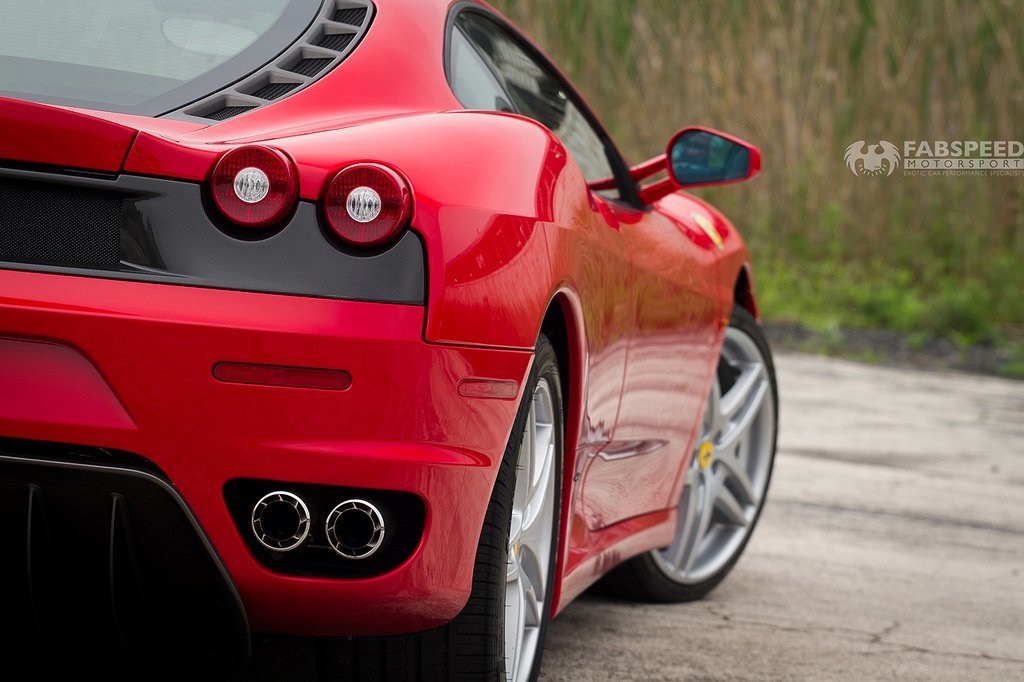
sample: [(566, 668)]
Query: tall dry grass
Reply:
[(803, 80)]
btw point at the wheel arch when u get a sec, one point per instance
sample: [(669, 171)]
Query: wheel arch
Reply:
[(743, 291), (563, 326)]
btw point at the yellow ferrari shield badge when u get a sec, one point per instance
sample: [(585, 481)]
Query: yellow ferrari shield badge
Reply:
[(706, 454), (705, 224)]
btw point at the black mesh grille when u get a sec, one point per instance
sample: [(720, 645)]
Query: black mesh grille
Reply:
[(353, 17), (59, 225), (310, 67), (227, 112), (275, 90), (336, 41)]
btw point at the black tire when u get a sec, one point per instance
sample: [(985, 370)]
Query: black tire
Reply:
[(640, 578), (471, 647)]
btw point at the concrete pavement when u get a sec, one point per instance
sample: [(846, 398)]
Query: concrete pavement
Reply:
[(891, 546)]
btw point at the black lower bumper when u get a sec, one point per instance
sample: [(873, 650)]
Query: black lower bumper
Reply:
[(109, 560)]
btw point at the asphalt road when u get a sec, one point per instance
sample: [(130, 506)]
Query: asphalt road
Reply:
[(891, 547)]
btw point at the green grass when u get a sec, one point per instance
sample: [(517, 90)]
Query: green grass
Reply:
[(827, 293), (829, 297), (928, 256)]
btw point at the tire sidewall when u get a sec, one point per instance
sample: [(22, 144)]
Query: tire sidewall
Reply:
[(545, 365)]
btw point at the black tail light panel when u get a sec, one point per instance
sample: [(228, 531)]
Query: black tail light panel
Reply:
[(157, 230)]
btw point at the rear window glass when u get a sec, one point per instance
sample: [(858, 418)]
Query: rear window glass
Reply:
[(140, 56)]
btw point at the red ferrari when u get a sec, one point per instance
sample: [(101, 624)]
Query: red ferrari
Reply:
[(347, 320)]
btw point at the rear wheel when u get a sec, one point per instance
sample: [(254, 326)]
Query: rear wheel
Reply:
[(532, 535), (500, 633), (726, 482)]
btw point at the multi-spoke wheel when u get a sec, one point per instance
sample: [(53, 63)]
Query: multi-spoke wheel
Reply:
[(725, 484), (530, 539)]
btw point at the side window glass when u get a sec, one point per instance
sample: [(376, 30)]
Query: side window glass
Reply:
[(471, 81), (536, 93)]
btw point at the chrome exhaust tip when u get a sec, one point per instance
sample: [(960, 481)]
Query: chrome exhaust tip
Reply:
[(355, 529), (280, 521)]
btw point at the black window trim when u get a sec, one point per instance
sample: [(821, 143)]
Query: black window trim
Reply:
[(628, 190)]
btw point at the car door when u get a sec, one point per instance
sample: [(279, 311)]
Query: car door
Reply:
[(675, 325)]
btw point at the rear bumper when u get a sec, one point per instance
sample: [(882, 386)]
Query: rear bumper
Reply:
[(128, 366)]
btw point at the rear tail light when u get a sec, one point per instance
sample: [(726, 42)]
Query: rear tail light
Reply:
[(367, 204), (254, 186)]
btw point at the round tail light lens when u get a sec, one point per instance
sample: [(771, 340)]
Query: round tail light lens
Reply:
[(254, 186), (367, 204)]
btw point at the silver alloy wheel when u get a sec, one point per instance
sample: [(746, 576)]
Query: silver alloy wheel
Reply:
[(530, 536), (728, 476)]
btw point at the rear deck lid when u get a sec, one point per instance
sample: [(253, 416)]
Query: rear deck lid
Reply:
[(42, 134)]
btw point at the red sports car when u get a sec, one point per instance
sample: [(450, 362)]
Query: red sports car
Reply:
[(347, 320)]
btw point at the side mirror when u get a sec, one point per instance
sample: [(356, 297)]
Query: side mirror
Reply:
[(701, 156), (696, 157)]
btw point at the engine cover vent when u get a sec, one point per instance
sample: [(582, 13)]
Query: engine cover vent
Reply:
[(227, 112), (350, 16), (330, 38), (309, 67), (274, 90)]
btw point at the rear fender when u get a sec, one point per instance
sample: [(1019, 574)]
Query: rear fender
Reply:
[(486, 188)]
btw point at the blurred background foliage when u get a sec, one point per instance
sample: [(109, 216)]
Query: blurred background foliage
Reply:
[(927, 255)]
